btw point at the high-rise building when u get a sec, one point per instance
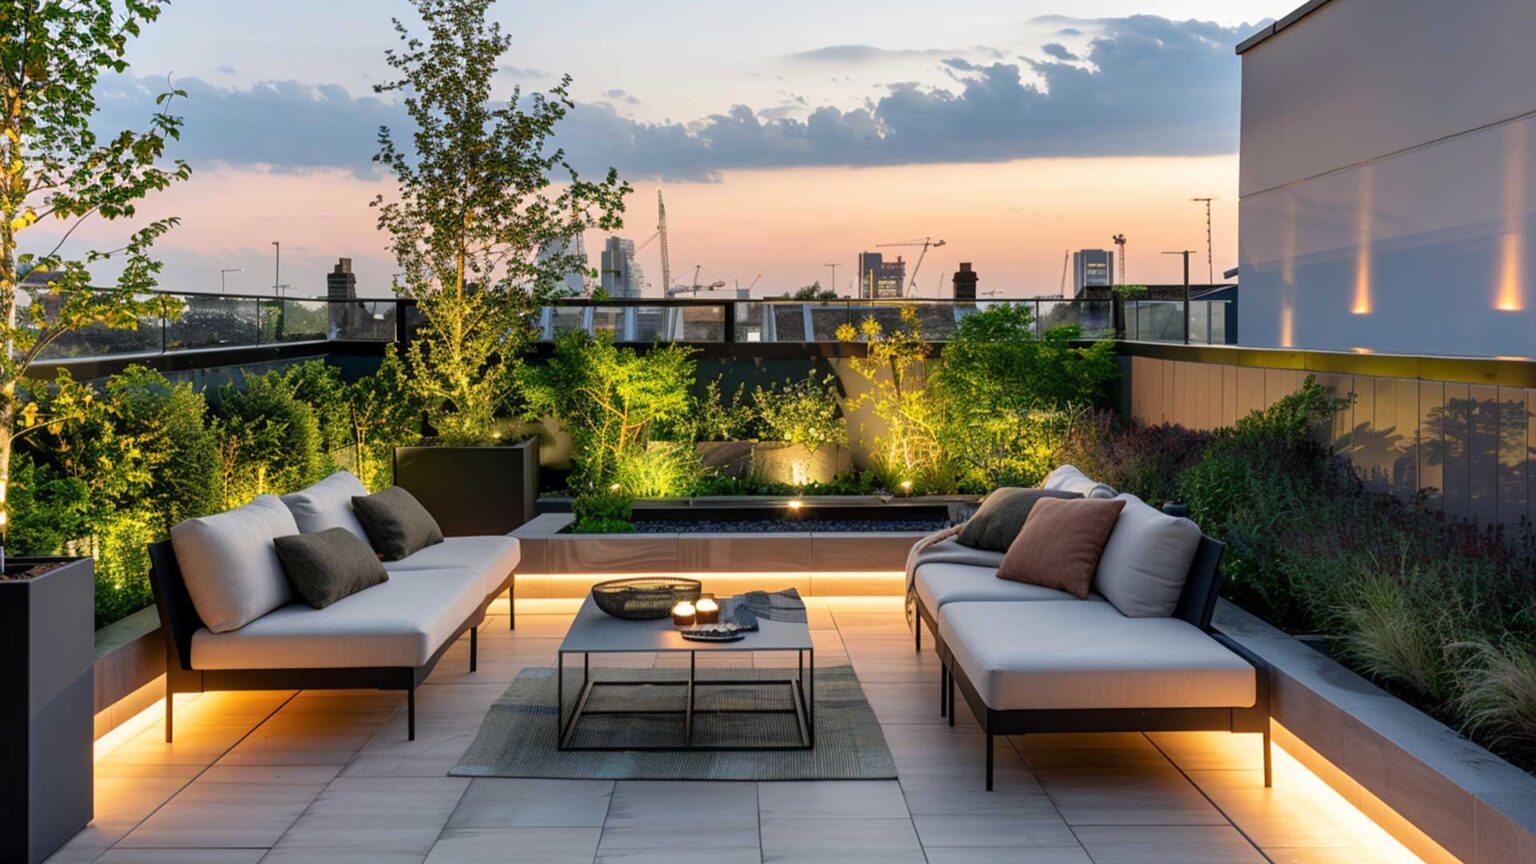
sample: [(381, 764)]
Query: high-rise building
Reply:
[(341, 282), (621, 275), (574, 281), (880, 279), (965, 282), (1092, 268)]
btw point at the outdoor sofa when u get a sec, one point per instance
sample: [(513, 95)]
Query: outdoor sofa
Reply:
[(386, 637), (1028, 658)]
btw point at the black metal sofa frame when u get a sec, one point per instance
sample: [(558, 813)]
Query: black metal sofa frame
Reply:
[(1197, 605), (179, 620)]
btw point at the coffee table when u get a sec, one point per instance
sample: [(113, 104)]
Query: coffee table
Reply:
[(595, 632)]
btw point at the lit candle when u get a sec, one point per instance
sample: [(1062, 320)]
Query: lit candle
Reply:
[(708, 609), (682, 614)]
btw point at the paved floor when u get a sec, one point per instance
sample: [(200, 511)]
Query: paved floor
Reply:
[(284, 778)]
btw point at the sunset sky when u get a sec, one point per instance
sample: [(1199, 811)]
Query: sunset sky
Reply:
[(785, 135)]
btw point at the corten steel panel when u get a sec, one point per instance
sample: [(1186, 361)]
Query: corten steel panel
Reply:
[(1514, 455), (1483, 455), (1431, 434), (1364, 443), (1455, 443), (1530, 456), (1250, 390), (1170, 392), (1228, 395), (1403, 444), (1343, 386)]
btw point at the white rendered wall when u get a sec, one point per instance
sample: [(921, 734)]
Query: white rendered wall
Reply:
[(1388, 180)]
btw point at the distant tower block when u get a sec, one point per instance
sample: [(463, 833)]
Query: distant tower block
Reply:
[(341, 282), (965, 282)]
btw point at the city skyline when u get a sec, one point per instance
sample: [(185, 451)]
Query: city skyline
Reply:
[(1056, 135)]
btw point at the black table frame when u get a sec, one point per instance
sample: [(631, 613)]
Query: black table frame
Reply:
[(802, 689)]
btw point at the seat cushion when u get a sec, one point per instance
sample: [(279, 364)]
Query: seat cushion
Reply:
[(1023, 656), (230, 565), (941, 584), (493, 557), (400, 624), (1146, 560), (1068, 478), (328, 504)]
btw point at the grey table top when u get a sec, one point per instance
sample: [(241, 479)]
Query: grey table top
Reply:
[(595, 631)]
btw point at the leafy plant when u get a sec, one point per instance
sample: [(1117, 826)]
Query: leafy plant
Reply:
[(269, 441), (896, 367), (384, 413), (603, 512), (56, 167), (717, 419), (662, 469), (614, 401), (318, 384), (814, 291), (1010, 399), (803, 412), (481, 191), (1145, 461)]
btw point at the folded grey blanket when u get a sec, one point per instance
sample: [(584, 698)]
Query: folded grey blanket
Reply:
[(941, 547)]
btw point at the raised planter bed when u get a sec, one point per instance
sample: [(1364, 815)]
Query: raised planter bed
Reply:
[(1437, 792), (819, 549)]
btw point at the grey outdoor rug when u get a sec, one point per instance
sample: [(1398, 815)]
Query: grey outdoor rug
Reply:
[(517, 738)]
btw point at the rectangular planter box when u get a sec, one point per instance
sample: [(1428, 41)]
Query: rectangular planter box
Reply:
[(472, 490), (47, 640), (1381, 751)]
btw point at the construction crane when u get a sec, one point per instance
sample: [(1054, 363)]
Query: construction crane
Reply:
[(695, 288), (1066, 259), (926, 243), (661, 232), (1119, 241), (1210, 262)]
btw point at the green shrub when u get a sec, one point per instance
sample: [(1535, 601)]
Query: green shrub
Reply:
[(1498, 694), (384, 413), (318, 384), (181, 452), (269, 441), (1145, 461), (1009, 399), (716, 419), (615, 402), (663, 469), (803, 412), (896, 366), (603, 512)]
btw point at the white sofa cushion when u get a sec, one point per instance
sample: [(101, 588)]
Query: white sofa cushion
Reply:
[(1146, 560), (400, 623), (493, 557), (939, 584), (328, 504), (230, 565), (1068, 478), (1023, 656)]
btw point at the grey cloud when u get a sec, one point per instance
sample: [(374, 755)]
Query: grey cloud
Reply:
[(225, 70), (522, 72), (1058, 51), (621, 96), (852, 55), (1143, 86)]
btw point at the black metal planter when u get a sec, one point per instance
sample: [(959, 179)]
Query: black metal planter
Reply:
[(472, 490), (47, 647)]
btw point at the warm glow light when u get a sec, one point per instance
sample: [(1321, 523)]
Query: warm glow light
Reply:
[(906, 486), (1509, 291), (1358, 350), (708, 610), (1287, 328), (613, 488), (795, 504), (683, 614), (1365, 215)]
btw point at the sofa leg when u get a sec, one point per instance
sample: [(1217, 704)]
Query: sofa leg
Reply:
[(943, 690), (989, 761), (170, 701), (410, 713), (474, 646), (917, 631), (512, 607), (1269, 775), (950, 698)]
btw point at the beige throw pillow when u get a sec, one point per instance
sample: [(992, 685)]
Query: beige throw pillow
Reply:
[(1146, 560), (230, 565), (1060, 544)]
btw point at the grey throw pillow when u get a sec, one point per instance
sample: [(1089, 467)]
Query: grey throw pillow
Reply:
[(1002, 515), (396, 523), (328, 565)]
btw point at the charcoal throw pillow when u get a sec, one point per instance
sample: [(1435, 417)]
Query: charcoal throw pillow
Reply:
[(1061, 542), (396, 523), (328, 565), (1002, 514)]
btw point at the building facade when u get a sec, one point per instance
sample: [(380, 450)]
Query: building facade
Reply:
[(1092, 268), (880, 279), (621, 276), (1388, 179)]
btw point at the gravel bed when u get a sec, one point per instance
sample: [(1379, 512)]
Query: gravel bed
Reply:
[(757, 526)]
